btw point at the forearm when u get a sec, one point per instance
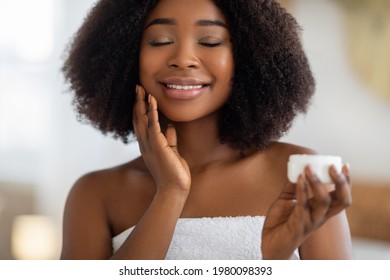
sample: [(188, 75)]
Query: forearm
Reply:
[(279, 251), (332, 241), (152, 235)]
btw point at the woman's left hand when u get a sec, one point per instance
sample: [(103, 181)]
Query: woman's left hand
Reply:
[(301, 209)]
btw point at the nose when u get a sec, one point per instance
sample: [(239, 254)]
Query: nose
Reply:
[(184, 57)]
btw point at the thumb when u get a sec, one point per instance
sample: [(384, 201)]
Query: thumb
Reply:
[(170, 134)]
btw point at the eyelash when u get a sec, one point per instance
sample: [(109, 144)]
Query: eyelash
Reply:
[(158, 44), (211, 45)]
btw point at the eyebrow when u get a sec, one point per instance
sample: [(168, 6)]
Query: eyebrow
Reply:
[(165, 21), (202, 22), (207, 22)]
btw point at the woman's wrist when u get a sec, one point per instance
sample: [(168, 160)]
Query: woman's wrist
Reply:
[(172, 194), (277, 254)]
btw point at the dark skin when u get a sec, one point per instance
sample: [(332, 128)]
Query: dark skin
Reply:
[(185, 171)]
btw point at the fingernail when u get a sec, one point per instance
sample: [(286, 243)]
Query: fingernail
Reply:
[(333, 169), (149, 98), (136, 88), (348, 167), (309, 170)]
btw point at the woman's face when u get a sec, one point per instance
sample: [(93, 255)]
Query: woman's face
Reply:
[(186, 58)]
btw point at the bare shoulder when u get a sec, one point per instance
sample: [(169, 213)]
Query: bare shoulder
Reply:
[(111, 191), (95, 207), (273, 162), (102, 183), (288, 149), (277, 154)]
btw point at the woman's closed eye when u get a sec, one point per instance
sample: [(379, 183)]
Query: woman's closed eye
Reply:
[(155, 43), (206, 42), (160, 41), (210, 45), (210, 42), (165, 43)]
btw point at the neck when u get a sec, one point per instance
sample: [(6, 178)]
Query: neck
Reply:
[(199, 144)]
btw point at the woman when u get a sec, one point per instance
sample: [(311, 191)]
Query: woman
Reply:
[(207, 87)]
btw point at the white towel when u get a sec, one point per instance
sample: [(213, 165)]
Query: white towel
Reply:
[(221, 238)]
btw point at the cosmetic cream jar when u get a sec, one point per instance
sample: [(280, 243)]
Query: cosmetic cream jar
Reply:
[(320, 165)]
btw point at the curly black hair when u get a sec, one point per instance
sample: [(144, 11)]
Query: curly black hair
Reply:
[(272, 81)]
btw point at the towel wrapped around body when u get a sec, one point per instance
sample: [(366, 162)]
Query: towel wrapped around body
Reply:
[(219, 238)]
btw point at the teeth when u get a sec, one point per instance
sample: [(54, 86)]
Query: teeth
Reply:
[(179, 87)]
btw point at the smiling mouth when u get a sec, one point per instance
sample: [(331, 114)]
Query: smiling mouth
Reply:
[(186, 90), (185, 87)]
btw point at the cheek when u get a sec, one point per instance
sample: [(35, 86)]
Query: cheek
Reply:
[(148, 64), (224, 66), (144, 65)]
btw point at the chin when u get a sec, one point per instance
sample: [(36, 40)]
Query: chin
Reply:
[(181, 116), (186, 112)]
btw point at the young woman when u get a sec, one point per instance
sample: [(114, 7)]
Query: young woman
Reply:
[(207, 87)]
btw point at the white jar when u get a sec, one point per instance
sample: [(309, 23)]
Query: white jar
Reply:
[(320, 165)]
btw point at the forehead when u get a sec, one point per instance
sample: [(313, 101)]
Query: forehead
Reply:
[(186, 10)]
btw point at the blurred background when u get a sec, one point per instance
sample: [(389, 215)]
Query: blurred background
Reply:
[(43, 149)]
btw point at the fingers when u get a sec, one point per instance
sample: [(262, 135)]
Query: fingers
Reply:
[(323, 204), (300, 219), (140, 117), (171, 137), (153, 123), (314, 204), (321, 201), (147, 126), (301, 191), (145, 115), (342, 197), (347, 173)]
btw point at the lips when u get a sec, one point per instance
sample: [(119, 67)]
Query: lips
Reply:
[(183, 88)]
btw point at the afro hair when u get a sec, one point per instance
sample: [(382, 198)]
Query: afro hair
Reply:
[(272, 81)]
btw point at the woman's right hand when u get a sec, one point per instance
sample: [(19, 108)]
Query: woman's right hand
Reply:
[(301, 209), (159, 150)]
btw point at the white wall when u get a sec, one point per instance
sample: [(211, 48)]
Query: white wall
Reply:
[(78, 148), (41, 142), (345, 118)]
